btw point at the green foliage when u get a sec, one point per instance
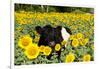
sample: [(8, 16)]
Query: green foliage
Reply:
[(77, 24), (47, 8)]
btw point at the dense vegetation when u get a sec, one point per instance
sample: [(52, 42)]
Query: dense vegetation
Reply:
[(80, 46)]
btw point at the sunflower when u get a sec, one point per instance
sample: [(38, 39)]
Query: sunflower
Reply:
[(57, 47), (24, 41), (72, 37), (92, 47), (84, 41), (42, 48), (87, 58), (63, 42), (47, 51), (32, 51), (70, 58), (75, 42), (79, 36), (36, 39)]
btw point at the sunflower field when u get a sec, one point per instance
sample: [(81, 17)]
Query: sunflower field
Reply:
[(80, 46)]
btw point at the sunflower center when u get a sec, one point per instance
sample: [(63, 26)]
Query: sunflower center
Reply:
[(25, 42), (32, 52), (57, 47)]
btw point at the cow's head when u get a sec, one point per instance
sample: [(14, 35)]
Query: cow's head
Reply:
[(50, 36)]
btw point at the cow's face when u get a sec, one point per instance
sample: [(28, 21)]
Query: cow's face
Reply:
[(51, 36)]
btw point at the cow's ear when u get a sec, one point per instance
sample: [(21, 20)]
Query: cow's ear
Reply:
[(68, 30), (38, 29), (59, 27)]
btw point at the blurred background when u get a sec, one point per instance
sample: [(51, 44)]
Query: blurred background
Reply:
[(48, 8)]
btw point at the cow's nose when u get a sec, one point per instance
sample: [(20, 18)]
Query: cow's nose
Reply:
[(52, 43)]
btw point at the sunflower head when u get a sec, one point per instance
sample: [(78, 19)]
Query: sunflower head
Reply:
[(70, 58), (47, 50), (32, 51), (79, 36), (63, 42), (42, 48), (87, 58), (72, 37), (75, 42), (84, 41), (24, 41), (57, 47)]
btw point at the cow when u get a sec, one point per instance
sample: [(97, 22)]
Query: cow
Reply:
[(50, 36)]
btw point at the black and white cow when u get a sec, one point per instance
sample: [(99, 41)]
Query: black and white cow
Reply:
[(50, 36)]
